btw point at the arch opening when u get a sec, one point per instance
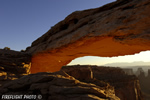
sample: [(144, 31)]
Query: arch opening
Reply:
[(54, 61), (137, 59)]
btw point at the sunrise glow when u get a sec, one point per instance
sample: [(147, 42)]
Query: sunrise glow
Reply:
[(93, 60)]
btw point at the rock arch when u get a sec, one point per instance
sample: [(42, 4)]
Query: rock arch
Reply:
[(115, 29)]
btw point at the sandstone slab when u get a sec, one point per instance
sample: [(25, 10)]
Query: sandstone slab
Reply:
[(53, 86)]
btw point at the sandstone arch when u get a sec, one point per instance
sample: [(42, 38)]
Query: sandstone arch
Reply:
[(119, 28)]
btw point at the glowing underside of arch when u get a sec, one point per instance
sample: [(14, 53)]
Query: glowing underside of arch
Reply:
[(101, 46)]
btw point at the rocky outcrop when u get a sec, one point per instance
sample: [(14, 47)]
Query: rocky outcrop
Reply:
[(144, 83), (13, 65), (126, 87), (53, 86), (144, 79), (118, 28), (139, 71), (128, 71), (77, 83)]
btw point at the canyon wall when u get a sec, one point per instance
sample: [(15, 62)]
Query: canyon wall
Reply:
[(126, 87), (143, 77), (145, 84)]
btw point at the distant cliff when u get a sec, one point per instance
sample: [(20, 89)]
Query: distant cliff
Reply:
[(144, 79), (145, 84), (126, 87)]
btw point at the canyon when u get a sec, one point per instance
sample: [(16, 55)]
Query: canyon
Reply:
[(76, 82), (118, 28), (143, 77), (79, 82)]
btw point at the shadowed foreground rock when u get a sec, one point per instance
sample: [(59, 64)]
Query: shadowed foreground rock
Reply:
[(13, 65), (57, 87), (118, 28), (77, 83)]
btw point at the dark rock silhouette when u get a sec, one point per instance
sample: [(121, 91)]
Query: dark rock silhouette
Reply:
[(54, 86), (13, 65), (71, 83), (145, 83), (148, 73)]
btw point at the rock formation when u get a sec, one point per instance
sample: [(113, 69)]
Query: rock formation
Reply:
[(144, 79), (13, 65), (139, 71), (53, 86), (128, 71), (71, 83), (118, 28), (148, 73), (144, 83), (126, 87)]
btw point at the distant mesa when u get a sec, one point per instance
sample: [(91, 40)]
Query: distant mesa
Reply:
[(128, 64)]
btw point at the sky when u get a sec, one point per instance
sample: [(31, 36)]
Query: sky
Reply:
[(23, 21), (142, 57)]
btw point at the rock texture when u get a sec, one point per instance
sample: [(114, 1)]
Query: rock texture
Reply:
[(126, 87), (77, 83), (53, 86), (118, 28), (143, 77), (13, 65)]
